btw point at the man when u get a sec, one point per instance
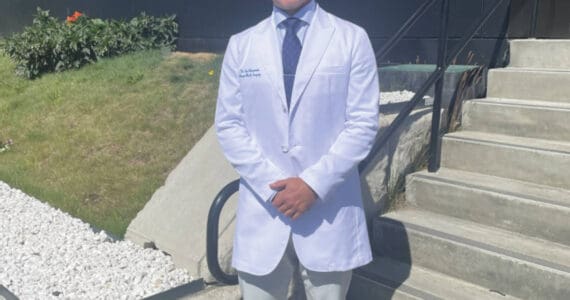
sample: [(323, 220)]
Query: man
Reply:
[(297, 111)]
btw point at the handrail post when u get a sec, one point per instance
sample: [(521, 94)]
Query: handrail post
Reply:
[(435, 146)]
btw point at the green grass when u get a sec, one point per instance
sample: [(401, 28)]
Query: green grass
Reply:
[(98, 141)]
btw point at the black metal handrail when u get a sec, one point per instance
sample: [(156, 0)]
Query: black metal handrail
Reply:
[(382, 139), (437, 78), (212, 233)]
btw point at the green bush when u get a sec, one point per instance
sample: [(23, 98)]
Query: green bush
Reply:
[(50, 45)]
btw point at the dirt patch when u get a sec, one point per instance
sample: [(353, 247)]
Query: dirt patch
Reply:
[(197, 56)]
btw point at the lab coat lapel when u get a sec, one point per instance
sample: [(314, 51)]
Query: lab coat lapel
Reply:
[(316, 43), (266, 48)]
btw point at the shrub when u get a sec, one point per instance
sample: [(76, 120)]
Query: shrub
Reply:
[(50, 45)]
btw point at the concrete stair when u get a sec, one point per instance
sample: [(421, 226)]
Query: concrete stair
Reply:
[(533, 160), (552, 54), (500, 260), (523, 83), (526, 208), (383, 278), (523, 118), (494, 221)]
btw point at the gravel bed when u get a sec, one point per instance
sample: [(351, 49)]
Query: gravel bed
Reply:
[(395, 97), (47, 254)]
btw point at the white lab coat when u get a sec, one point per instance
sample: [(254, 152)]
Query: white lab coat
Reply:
[(328, 130)]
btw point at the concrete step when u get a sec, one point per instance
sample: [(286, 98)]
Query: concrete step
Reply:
[(386, 278), (534, 160), (537, 84), (531, 209), (554, 54), (499, 260), (524, 118)]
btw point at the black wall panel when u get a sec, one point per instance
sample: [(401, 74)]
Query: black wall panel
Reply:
[(205, 25), (520, 20), (553, 19)]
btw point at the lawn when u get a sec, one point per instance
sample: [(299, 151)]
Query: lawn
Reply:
[(98, 141)]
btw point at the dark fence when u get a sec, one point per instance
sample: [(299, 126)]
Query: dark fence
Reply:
[(205, 25), (552, 19)]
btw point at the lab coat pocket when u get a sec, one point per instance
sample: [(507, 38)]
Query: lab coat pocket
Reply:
[(336, 77), (332, 70)]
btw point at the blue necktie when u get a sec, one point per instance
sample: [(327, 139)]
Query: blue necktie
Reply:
[(290, 54)]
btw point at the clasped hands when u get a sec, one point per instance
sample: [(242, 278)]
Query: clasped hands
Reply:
[(294, 196)]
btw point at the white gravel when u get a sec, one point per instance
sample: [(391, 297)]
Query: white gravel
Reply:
[(399, 97), (47, 254)]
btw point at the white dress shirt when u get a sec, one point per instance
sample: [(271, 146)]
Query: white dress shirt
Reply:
[(305, 14)]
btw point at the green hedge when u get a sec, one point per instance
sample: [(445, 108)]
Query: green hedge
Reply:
[(50, 45)]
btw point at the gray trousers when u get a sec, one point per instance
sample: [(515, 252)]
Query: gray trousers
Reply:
[(291, 280)]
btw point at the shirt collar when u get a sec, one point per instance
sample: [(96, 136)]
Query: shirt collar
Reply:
[(305, 14)]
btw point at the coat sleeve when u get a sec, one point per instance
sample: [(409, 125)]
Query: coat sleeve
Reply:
[(237, 145), (360, 127)]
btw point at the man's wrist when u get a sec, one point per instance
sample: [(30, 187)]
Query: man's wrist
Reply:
[(310, 185), (314, 194)]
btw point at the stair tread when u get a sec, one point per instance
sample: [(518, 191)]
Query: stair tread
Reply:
[(539, 41), (531, 70), (544, 253), (522, 189), (553, 54), (423, 283), (511, 141), (540, 104)]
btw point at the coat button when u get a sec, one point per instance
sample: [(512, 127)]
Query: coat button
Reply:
[(285, 149), (284, 108)]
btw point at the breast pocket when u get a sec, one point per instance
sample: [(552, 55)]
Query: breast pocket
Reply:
[(332, 70), (336, 78), (326, 95)]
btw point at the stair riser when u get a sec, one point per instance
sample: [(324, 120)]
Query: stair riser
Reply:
[(532, 122), (550, 86), (542, 167), (540, 54), (532, 218), (489, 269)]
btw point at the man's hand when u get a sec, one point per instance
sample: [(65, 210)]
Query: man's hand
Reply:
[(294, 197)]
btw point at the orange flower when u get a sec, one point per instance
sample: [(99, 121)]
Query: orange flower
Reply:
[(73, 18)]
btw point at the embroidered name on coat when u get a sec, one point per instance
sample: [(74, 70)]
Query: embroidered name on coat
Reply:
[(243, 73)]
